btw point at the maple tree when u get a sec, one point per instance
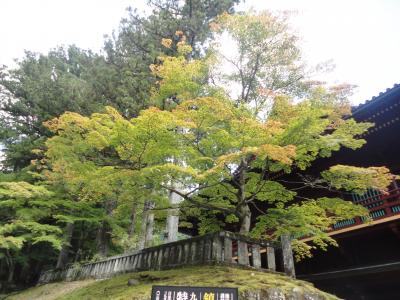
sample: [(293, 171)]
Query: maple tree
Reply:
[(228, 160), (231, 159), (26, 222)]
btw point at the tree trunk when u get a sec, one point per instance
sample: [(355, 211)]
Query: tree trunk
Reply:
[(244, 209), (173, 217), (102, 239), (146, 231), (245, 219), (103, 233), (82, 238), (63, 255), (131, 229), (11, 267), (11, 272), (142, 238), (149, 226)]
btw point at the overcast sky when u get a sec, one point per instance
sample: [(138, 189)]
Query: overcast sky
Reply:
[(361, 36)]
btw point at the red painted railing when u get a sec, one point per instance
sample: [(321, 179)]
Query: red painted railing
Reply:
[(380, 206)]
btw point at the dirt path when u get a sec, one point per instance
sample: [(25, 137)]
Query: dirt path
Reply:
[(50, 291)]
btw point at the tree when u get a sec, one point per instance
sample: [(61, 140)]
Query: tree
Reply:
[(27, 226), (139, 34), (80, 158), (139, 43), (229, 161), (263, 59), (43, 87)]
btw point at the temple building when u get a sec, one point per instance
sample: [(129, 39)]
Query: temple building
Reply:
[(366, 265)]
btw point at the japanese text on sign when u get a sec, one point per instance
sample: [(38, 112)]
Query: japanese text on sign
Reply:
[(193, 293)]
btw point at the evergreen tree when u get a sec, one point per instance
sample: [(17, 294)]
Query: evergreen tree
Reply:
[(71, 79), (43, 87)]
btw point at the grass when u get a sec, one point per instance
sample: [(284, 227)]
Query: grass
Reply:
[(49, 291), (117, 288)]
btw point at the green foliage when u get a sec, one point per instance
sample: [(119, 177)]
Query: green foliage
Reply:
[(95, 194), (358, 180), (180, 79), (310, 218), (97, 161), (43, 87), (223, 155), (26, 210), (26, 222), (268, 62), (227, 159), (231, 156)]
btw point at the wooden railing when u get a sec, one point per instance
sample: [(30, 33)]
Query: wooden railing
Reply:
[(380, 206), (218, 248)]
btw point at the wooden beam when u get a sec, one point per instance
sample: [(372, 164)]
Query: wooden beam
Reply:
[(351, 228), (352, 272)]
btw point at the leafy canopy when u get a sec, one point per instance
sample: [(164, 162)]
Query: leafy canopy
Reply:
[(227, 160), (24, 212), (232, 164)]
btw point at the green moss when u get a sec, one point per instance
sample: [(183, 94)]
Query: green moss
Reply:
[(117, 288)]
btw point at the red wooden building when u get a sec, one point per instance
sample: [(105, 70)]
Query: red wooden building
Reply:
[(366, 265)]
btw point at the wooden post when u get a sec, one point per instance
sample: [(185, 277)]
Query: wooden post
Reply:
[(243, 253), (227, 249), (255, 253), (287, 254)]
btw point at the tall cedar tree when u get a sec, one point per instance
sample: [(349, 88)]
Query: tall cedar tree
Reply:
[(42, 87)]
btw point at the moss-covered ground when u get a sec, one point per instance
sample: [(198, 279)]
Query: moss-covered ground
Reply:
[(117, 287)]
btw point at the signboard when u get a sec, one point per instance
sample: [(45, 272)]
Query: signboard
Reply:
[(193, 293)]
